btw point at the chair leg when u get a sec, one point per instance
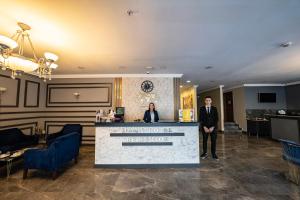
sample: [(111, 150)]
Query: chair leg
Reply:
[(25, 173), (54, 175)]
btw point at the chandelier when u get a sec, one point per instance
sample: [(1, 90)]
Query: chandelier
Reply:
[(12, 55)]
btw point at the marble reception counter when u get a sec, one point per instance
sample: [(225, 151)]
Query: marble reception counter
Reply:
[(143, 145)]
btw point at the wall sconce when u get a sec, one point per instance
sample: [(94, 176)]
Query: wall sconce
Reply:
[(2, 90), (76, 94)]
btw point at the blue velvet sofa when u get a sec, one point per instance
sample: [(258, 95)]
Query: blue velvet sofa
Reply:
[(13, 139), (68, 128), (61, 151)]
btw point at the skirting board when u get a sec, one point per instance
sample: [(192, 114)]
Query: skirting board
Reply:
[(145, 166)]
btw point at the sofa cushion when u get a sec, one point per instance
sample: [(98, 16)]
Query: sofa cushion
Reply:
[(10, 136), (13, 139), (67, 129)]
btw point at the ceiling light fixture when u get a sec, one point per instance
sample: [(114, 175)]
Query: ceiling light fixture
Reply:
[(208, 67), (188, 81), (131, 12), (12, 55), (181, 86), (286, 44)]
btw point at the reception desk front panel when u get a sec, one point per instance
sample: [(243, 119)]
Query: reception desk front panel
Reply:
[(135, 145)]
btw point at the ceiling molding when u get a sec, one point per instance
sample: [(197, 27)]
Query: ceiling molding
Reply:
[(232, 88), (293, 83), (114, 75), (213, 88), (264, 85)]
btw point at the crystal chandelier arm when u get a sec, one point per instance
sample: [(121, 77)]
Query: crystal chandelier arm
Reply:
[(16, 34), (21, 46), (33, 50)]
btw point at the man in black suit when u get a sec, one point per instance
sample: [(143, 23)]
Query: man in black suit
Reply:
[(209, 121)]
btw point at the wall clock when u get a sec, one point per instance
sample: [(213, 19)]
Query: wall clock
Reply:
[(147, 86)]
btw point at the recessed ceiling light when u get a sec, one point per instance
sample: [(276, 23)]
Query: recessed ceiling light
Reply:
[(131, 12), (181, 86), (286, 44), (208, 67), (188, 81)]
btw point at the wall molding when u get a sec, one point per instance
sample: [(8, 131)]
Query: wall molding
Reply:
[(62, 123), (26, 91), (51, 86), (17, 95), (77, 102), (48, 111), (37, 117), (32, 128)]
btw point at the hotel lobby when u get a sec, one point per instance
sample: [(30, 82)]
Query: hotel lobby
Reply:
[(149, 100)]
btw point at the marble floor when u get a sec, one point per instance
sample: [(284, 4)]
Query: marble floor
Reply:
[(248, 169)]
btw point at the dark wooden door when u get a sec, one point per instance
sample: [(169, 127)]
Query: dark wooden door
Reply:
[(228, 107)]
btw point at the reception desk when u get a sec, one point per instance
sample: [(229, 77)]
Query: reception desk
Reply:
[(147, 145)]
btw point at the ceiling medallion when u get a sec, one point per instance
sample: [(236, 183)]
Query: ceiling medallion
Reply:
[(12, 55)]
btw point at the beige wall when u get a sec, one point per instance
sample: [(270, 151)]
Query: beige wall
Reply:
[(63, 107), (217, 98), (57, 105), (22, 103), (50, 115), (136, 101), (239, 110)]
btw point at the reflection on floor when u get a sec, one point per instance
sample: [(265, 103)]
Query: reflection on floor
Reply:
[(248, 169)]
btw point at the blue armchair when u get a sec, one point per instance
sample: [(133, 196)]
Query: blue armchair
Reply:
[(68, 128), (291, 153), (13, 139), (62, 150)]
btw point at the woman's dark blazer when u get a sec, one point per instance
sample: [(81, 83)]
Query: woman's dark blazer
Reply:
[(147, 116)]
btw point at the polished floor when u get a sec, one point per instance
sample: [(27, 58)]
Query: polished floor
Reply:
[(248, 169)]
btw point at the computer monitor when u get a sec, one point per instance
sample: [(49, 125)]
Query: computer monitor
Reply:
[(119, 116), (120, 111)]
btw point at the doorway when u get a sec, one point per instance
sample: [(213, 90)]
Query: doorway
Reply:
[(228, 107)]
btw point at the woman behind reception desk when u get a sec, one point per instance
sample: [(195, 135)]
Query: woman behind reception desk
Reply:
[(151, 115)]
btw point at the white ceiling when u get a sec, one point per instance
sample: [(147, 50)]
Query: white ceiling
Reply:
[(239, 38)]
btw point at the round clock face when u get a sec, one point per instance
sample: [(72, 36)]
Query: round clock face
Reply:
[(147, 86)]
